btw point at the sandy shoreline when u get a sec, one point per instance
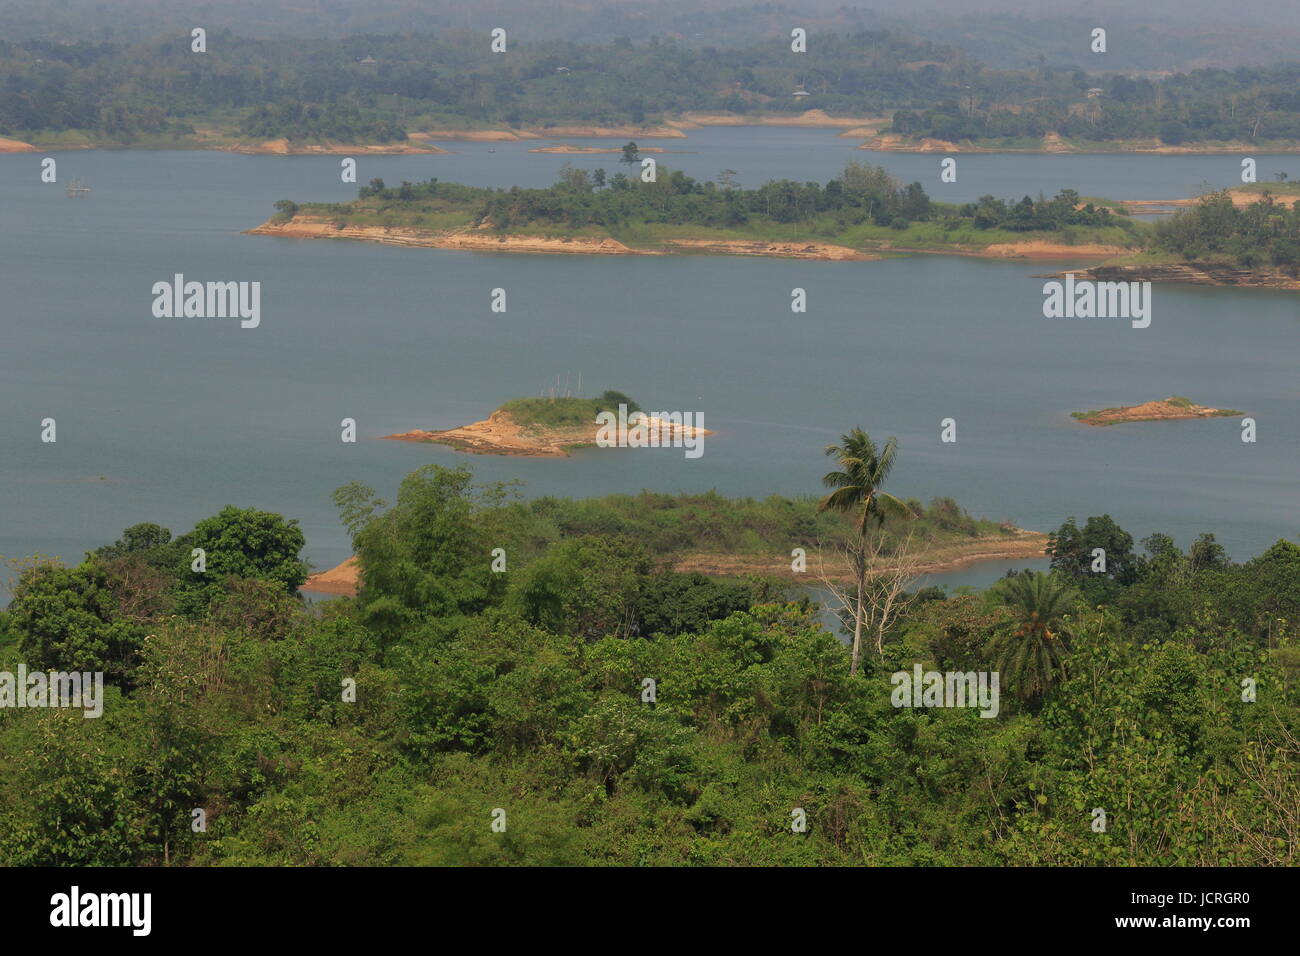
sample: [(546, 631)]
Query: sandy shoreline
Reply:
[(550, 132), (573, 149), (1034, 249), (15, 146), (759, 247), (1053, 143), (1239, 197), (308, 227), (670, 129), (342, 579), (1027, 545), (868, 128), (285, 147), (478, 240)]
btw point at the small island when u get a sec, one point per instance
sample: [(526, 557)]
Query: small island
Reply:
[(1166, 409), (862, 214), (553, 426)]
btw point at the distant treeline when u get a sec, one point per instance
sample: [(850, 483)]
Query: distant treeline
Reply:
[(377, 87), (1214, 105)]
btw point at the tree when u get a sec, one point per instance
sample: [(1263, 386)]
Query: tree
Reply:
[(575, 178), (631, 154), (884, 593), (858, 492), (1207, 553), (1030, 654), (67, 619), (428, 556), (586, 588), (242, 543), (1072, 551), (146, 543)]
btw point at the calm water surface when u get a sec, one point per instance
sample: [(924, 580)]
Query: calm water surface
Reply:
[(168, 420)]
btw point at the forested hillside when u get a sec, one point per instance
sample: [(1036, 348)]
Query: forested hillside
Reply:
[(373, 88), (525, 692)]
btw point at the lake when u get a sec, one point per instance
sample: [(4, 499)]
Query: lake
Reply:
[(168, 420)]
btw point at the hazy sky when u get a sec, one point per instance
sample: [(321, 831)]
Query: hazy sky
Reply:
[(1164, 34)]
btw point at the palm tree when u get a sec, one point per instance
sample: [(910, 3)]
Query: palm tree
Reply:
[(858, 492), (1032, 653)]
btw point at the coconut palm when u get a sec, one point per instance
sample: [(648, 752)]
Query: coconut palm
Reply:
[(858, 493), (1031, 654)]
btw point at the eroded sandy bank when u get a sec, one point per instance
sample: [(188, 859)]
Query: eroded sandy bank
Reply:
[(308, 227), (285, 147), (1055, 143), (787, 250), (1036, 249), (550, 132), (574, 149), (484, 240), (478, 240)]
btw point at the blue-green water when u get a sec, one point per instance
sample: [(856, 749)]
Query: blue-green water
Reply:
[(168, 420)]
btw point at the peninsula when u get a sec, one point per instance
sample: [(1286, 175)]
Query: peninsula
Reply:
[(1247, 236), (726, 537)]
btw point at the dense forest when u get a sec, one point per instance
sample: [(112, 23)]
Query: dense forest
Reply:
[(389, 728), (374, 88), (1246, 105)]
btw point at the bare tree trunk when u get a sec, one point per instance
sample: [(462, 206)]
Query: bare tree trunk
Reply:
[(878, 607), (857, 613)]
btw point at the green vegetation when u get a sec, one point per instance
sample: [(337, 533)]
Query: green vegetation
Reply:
[(566, 411), (1260, 236), (1122, 688), (378, 88), (1201, 107)]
